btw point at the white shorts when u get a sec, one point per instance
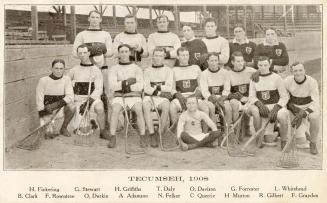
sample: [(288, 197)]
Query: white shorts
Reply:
[(157, 100), (199, 137), (129, 101), (179, 108)]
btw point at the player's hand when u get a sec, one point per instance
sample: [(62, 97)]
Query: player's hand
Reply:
[(296, 122), (255, 76), (181, 99), (83, 106), (263, 109), (274, 112), (166, 95), (213, 99), (236, 95)]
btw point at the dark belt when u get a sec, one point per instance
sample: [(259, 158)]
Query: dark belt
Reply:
[(82, 88), (104, 67), (49, 99), (216, 90), (243, 89), (300, 100), (268, 96)]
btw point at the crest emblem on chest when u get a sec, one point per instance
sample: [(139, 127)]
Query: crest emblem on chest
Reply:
[(279, 52), (248, 50), (215, 90), (242, 89), (186, 83), (265, 95)]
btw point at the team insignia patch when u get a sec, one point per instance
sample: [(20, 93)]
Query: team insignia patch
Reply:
[(197, 56), (265, 95), (186, 83), (242, 89), (215, 90), (279, 52), (248, 50)]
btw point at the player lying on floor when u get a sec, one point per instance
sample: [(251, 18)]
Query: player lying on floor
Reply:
[(240, 82), (187, 82), (158, 84), (126, 80), (304, 103), (81, 76), (189, 129), (269, 98), (53, 92), (215, 87)]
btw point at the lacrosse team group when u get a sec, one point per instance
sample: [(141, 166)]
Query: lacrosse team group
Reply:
[(195, 84)]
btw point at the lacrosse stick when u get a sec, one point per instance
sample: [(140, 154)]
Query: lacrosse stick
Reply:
[(130, 131), (159, 124), (33, 140), (289, 157), (84, 131)]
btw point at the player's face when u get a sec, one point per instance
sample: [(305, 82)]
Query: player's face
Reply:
[(298, 71), (210, 28), (238, 63), (263, 65), (188, 32), (95, 19), (124, 54), (83, 54), (213, 63), (192, 104), (183, 57), (58, 69), (130, 24), (158, 57), (271, 36), (162, 24), (239, 33)]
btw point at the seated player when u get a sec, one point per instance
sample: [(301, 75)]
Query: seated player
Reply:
[(189, 130), (53, 92), (81, 76), (126, 80), (240, 82), (187, 82), (158, 83), (269, 98), (215, 87), (304, 102)]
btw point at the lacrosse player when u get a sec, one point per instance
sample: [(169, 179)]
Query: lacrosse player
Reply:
[(195, 46), (214, 42), (269, 98), (304, 102), (53, 92), (215, 87), (189, 130), (81, 76), (131, 37), (165, 39), (242, 44), (126, 80), (240, 81), (158, 84), (187, 82)]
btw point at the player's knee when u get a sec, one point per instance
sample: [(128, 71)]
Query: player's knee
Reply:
[(146, 106), (314, 117), (282, 116), (254, 111), (203, 107), (138, 109), (71, 107), (173, 108), (99, 108), (164, 106), (115, 110), (234, 104)]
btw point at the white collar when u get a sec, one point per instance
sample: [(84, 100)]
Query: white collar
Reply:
[(193, 38), (246, 41), (273, 44)]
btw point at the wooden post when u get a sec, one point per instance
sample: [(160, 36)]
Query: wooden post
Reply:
[(35, 22), (285, 18), (236, 14), (176, 16), (204, 11), (134, 11), (150, 17), (262, 12), (244, 19), (252, 23), (227, 21), (72, 23), (114, 15), (274, 16), (64, 15)]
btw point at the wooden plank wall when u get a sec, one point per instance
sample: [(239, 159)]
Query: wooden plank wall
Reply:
[(23, 67)]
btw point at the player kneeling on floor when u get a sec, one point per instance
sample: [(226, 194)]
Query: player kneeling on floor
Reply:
[(87, 76), (158, 84), (269, 97), (189, 130), (304, 103), (52, 93), (240, 82), (126, 80)]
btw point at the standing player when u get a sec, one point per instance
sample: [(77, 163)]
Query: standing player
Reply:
[(158, 84), (304, 102), (214, 42), (81, 75), (195, 46), (242, 44), (126, 80), (53, 92), (187, 82), (189, 130), (215, 87), (165, 39), (269, 97), (131, 37), (240, 81)]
